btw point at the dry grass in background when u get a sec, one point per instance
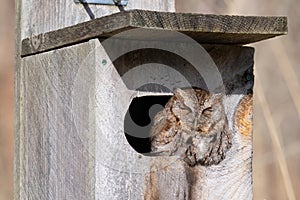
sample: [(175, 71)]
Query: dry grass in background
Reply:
[(277, 96)]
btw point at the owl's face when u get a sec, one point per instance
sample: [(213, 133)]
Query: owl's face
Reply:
[(194, 126), (197, 109)]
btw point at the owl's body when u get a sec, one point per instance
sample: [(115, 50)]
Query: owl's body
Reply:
[(194, 126)]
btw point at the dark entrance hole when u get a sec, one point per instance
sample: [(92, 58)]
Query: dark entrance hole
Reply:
[(139, 119)]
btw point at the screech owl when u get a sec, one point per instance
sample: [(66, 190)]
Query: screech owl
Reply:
[(194, 126)]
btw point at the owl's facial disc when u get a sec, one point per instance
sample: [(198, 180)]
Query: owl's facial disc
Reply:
[(193, 127)]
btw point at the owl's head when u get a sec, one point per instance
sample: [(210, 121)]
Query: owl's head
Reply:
[(197, 108), (194, 126)]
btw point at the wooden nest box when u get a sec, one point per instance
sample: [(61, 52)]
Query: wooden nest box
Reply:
[(87, 94)]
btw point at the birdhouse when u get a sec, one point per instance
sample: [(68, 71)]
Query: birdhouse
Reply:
[(138, 104)]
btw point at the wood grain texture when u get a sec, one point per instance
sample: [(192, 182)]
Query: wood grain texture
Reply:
[(56, 152), (18, 105), (41, 17), (215, 29), (55, 107)]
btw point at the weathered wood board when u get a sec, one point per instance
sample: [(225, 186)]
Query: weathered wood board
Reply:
[(51, 160), (56, 147), (215, 29), (41, 17)]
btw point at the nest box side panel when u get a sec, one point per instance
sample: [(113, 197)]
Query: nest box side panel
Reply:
[(56, 137)]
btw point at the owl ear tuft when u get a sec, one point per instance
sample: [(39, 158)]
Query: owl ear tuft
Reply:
[(218, 96), (179, 92), (188, 97)]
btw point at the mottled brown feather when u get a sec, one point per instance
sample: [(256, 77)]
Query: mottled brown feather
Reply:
[(243, 115)]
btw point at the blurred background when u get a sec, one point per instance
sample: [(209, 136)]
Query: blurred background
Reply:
[(7, 20), (276, 163)]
